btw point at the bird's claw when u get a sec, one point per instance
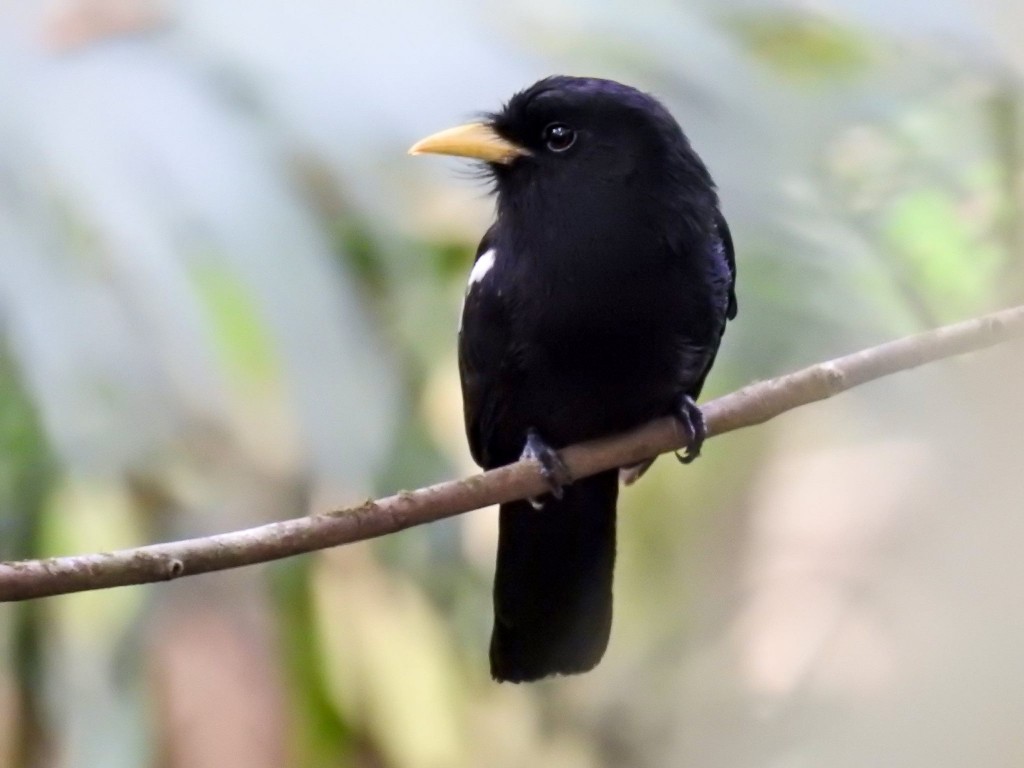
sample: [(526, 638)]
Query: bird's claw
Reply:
[(692, 420), (551, 465)]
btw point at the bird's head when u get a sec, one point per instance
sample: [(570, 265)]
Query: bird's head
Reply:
[(572, 137)]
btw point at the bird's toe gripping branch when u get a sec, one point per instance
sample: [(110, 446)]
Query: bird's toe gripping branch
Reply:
[(692, 420), (551, 465)]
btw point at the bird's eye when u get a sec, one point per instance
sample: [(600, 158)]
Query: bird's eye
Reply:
[(559, 137)]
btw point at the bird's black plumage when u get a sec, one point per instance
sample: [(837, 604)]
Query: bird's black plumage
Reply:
[(598, 299)]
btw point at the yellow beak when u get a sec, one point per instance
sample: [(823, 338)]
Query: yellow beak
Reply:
[(477, 140)]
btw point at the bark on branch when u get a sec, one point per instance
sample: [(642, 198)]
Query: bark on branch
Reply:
[(754, 404)]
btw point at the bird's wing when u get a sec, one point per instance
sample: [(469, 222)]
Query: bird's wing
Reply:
[(730, 258), (724, 241), (483, 355)]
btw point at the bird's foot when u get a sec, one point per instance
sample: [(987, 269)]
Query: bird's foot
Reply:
[(551, 465), (692, 420)]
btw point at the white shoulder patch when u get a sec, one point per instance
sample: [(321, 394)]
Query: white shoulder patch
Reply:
[(482, 267)]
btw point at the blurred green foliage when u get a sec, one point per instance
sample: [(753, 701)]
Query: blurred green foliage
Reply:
[(241, 338), (809, 49)]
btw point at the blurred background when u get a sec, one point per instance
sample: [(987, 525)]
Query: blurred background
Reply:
[(227, 296)]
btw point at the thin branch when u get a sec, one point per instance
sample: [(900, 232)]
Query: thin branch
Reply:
[(754, 404)]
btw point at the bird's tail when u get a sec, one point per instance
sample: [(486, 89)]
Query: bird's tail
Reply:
[(553, 586)]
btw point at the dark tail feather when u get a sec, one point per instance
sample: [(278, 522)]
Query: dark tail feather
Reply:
[(553, 586)]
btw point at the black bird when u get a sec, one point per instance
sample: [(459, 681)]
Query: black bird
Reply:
[(597, 302)]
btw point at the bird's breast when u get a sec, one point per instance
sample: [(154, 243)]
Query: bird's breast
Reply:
[(601, 353), (598, 302), (601, 339)]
